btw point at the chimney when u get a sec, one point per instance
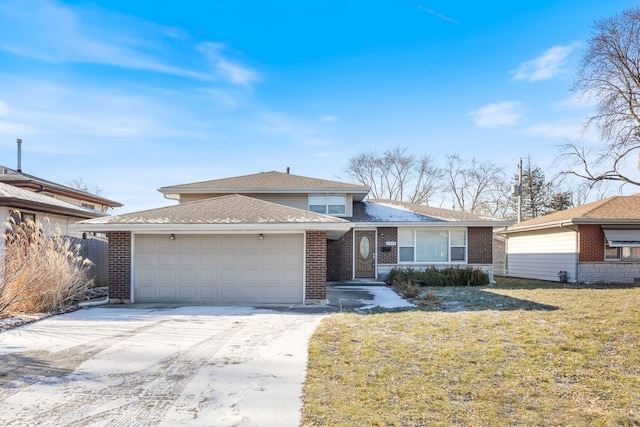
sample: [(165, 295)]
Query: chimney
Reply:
[(287, 169), (19, 155)]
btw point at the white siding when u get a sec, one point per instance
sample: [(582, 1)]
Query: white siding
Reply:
[(542, 254), (50, 223)]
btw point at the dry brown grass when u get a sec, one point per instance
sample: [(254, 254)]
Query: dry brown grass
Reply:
[(42, 272), (523, 356)]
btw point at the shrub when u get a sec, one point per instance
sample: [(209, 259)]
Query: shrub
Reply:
[(408, 289), (42, 272), (432, 276)]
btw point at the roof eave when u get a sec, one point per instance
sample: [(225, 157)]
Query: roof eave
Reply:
[(441, 223), (16, 203), (213, 228)]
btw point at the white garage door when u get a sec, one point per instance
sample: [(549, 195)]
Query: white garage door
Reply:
[(219, 268)]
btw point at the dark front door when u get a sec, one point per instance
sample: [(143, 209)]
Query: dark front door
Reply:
[(365, 245)]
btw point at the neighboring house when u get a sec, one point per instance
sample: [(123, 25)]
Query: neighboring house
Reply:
[(85, 201), (596, 242), (275, 237), (56, 207)]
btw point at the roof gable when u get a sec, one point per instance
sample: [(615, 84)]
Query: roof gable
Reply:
[(266, 182)]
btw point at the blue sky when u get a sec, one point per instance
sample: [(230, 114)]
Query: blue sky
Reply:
[(135, 95)]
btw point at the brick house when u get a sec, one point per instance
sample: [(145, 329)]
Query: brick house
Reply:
[(596, 242), (278, 238)]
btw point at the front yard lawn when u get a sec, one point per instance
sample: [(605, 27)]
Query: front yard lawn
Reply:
[(514, 355)]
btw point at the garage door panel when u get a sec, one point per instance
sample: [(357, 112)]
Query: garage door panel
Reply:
[(208, 293), (187, 276), (188, 242), (167, 276), (167, 294), (186, 293), (191, 259), (229, 293), (229, 242), (146, 293), (210, 276), (229, 275), (219, 268), (165, 259), (209, 242)]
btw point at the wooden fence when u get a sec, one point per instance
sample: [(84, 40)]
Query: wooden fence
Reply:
[(95, 249)]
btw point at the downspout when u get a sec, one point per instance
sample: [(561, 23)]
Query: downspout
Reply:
[(577, 263), (87, 304)]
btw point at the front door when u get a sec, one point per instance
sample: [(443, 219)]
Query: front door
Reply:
[(365, 245)]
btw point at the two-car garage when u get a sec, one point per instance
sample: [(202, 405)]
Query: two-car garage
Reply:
[(218, 268)]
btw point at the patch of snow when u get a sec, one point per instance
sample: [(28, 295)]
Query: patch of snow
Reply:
[(383, 297), (390, 213)]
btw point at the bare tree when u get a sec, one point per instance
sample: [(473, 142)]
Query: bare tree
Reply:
[(476, 186), (79, 184), (610, 74), (396, 175)]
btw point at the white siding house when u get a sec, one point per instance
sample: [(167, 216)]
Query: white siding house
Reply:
[(543, 254)]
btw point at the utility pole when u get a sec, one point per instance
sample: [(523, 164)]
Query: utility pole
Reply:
[(516, 190), (520, 190)]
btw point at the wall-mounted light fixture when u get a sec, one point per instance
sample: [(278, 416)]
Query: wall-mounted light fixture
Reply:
[(173, 236), (261, 236)]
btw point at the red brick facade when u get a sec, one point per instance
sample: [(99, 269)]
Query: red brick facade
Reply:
[(590, 243), (119, 261), (387, 234), (480, 245), (340, 258), (316, 266)]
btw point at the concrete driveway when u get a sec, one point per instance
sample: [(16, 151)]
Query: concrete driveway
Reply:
[(222, 366), (166, 366)]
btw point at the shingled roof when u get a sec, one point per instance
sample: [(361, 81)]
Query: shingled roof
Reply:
[(442, 215), (610, 211), (18, 198), (228, 212), (265, 182), (25, 180)]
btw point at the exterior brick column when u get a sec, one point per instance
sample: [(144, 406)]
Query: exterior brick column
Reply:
[(316, 266), (340, 258), (480, 245), (590, 243), (119, 261)]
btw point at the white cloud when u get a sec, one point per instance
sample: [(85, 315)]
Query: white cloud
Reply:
[(329, 119), (436, 14), (495, 115), (4, 108), (546, 66), (49, 31), (225, 68), (565, 131)]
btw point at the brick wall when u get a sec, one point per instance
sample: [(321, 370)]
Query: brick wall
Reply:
[(340, 258), (480, 245), (119, 261), (590, 243), (316, 266), (387, 234)]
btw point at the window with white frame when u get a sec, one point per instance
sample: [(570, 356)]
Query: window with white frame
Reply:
[(621, 253), (435, 246), (328, 204)]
